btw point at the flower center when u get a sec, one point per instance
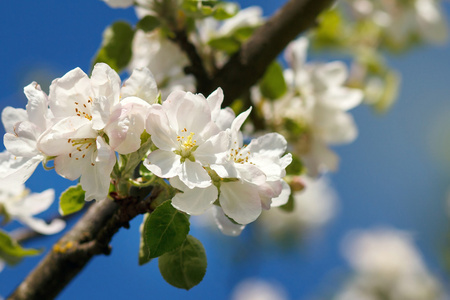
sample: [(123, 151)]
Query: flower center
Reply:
[(187, 145), (240, 155), (81, 148), (82, 110)]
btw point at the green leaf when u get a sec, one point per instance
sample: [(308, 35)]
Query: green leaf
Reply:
[(227, 44), (225, 10), (272, 85), (71, 200), (165, 229), (186, 266), (116, 46), (11, 252), (144, 254), (148, 23)]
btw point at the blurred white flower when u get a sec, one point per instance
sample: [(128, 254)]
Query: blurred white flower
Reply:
[(18, 204), (387, 266), (313, 207), (257, 289)]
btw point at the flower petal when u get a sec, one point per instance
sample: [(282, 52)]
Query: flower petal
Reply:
[(41, 226), (240, 201), (11, 116), (106, 83), (95, 180), (37, 106), (157, 124), (193, 175), (225, 225), (18, 168), (194, 201), (163, 164), (283, 197), (141, 84)]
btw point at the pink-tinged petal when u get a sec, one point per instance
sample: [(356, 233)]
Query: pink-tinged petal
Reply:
[(193, 175), (214, 150), (126, 124), (18, 168), (157, 125), (23, 142), (41, 226), (141, 84), (269, 190), (283, 197), (163, 164), (225, 225), (55, 140), (11, 116), (215, 100), (70, 92), (195, 201), (96, 177), (37, 106), (106, 83), (250, 173), (240, 201)]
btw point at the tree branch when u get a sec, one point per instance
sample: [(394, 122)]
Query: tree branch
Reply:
[(93, 232), (249, 64), (90, 237)]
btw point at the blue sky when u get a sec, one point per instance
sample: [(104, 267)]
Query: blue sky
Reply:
[(397, 173)]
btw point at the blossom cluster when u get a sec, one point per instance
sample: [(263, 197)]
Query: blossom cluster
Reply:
[(313, 112), (84, 122)]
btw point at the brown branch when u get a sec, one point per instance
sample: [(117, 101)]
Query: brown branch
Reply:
[(196, 66), (249, 64), (90, 237), (93, 232)]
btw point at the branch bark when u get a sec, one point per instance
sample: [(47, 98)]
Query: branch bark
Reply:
[(93, 232)]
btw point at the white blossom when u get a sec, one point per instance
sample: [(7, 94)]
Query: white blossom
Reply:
[(23, 128), (19, 205), (187, 138), (90, 112), (257, 289)]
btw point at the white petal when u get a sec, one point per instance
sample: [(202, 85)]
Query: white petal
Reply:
[(37, 106), (332, 74), (214, 149), (193, 175), (225, 118), (270, 145), (335, 126), (215, 100), (65, 92), (240, 119), (283, 197), (141, 84), (55, 140), (41, 226), (100, 112), (106, 83), (320, 159), (296, 53), (225, 225), (157, 125), (194, 201), (34, 203), (95, 180), (11, 116), (342, 98), (68, 167), (165, 164), (119, 3), (240, 201), (18, 168)]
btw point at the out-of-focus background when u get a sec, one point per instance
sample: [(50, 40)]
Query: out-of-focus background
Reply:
[(395, 175)]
